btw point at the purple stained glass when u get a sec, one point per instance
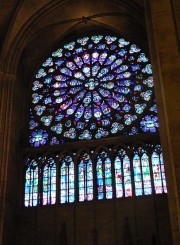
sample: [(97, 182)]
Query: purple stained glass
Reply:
[(91, 80)]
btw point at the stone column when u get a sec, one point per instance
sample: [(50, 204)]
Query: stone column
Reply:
[(7, 82), (164, 50)]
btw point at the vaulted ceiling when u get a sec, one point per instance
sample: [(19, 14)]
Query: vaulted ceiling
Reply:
[(24, 23)]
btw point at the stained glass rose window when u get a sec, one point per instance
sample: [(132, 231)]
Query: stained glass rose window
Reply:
[(93, 87)]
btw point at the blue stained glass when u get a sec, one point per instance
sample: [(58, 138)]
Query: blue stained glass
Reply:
[(85, 178), (49, 183), (146, 174), (36, 97), (97, 112), (118, 177), (134, 49), (108, 178), (129, 119), (92, 79), (154, 108), (101, 46), (48, 62), (80, 125), (116, 127), (59, 62), (95, 70), (58, 53), (150, 124), (96, 39), (102, 58), (78, 61), (149, 82), (104, 176), (101, 133), (122, 42), (95, 56), (38, 138), (59, 117), (127, 176), (126, 108), (41, 73), (110, 39), (146, 95), (69, 46), (71, 133), (54, 141), (147, 69), (137, 175), (67, 180), (36, 85), (88, 114), (102, 72), (100, 180), (33, 124), (142, 58), (83, 41), (79, 112), (122, 52), (46, 120), (86, 58), (31, 184), (110, 59), (85, 135), (140, 108), (158, 171), (105, 122), (106, 110)]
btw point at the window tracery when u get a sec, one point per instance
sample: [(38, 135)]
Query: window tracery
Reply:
[(92, 88)]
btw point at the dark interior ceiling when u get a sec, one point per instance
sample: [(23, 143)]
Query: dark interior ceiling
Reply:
[(9, 7)]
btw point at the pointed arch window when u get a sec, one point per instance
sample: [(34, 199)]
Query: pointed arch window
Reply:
[(31, 183), (158, 170), (49, 181), (85, 178), (142, 178), (104, 176), (67, 179), (123, 175)]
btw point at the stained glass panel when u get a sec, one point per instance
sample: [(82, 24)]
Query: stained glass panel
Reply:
[(85, 181), (93, 87), (158, 171), (104, 176), (146, 174), (118, 177), (127, 176), (137, 175), (49, 182), (31, 184), (67, 180)]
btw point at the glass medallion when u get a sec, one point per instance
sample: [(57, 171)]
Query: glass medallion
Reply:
[(87, 84)]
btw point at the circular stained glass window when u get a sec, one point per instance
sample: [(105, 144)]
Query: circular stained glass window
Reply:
[(90, 88)]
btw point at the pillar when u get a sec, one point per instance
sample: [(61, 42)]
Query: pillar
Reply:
[(7, 82), (164, 50)]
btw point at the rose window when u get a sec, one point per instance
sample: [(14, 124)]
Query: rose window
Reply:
[(93, 87)]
